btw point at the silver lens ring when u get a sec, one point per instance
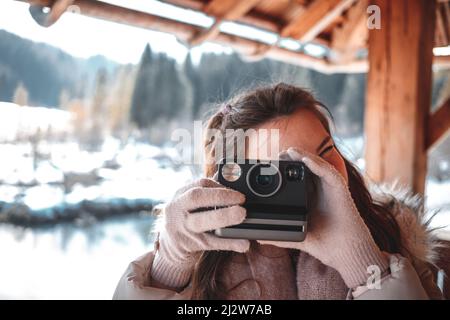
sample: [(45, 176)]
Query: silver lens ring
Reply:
[(250, 185)]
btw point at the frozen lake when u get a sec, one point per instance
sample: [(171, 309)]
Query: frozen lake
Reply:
[(69, 262)]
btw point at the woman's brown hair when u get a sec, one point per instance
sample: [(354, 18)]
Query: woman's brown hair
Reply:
[(251, 109)]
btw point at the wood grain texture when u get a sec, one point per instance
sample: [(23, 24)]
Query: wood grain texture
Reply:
[(399, 92), (352, 34), (315, 18)]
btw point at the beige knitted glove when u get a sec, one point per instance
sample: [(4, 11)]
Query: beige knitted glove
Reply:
[(337, 234), (184, 233)]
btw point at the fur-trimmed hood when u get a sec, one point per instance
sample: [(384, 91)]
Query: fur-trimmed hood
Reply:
[(418, 237)]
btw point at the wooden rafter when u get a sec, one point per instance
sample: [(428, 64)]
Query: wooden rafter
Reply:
[(353, 33), (222, 10), (438, 125), (445, 14), (317, 16), (251, 18), (441, 36), (229, 9)]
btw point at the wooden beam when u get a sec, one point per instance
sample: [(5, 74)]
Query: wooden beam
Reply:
[(317, 16), (438, 125), (109, 12), (222, 10), (399, 92), (352, 34)]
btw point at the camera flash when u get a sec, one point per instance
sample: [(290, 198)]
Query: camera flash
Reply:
[(231, 172)]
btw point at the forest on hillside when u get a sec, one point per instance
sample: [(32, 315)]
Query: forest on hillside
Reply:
[(159, 89)]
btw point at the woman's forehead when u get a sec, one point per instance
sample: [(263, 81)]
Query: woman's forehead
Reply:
[(302, 129)]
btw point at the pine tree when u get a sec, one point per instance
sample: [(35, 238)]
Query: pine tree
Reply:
[(142, 93), (162, 91)]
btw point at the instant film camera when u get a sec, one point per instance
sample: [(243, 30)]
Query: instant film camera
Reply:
[(279, 196)]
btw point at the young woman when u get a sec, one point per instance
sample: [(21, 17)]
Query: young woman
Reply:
[(353, 236)]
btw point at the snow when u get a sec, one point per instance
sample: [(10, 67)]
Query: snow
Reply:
[(24, 119), (9, 194), (138, 176), (43, 197)]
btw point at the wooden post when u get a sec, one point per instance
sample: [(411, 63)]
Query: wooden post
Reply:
[(399, 92)]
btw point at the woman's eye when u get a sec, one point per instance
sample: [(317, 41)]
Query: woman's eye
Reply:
[(327, 149)]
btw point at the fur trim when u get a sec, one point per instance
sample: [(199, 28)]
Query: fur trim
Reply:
[(419, 239)]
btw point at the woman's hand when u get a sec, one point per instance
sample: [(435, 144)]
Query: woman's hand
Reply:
[(337, 234), (184, 233)]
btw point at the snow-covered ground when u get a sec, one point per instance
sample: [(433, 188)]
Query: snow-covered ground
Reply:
[(139, 173), (16, 120), (65, 177)]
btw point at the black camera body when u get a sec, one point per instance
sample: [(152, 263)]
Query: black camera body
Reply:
[(279, 195)]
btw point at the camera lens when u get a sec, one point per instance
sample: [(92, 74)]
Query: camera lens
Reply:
[(264, 179)]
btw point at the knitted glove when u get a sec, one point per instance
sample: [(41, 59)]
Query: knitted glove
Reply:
[(184, 233), (337, 234)]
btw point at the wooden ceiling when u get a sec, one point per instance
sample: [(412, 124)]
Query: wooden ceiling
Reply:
[(339, 25)]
